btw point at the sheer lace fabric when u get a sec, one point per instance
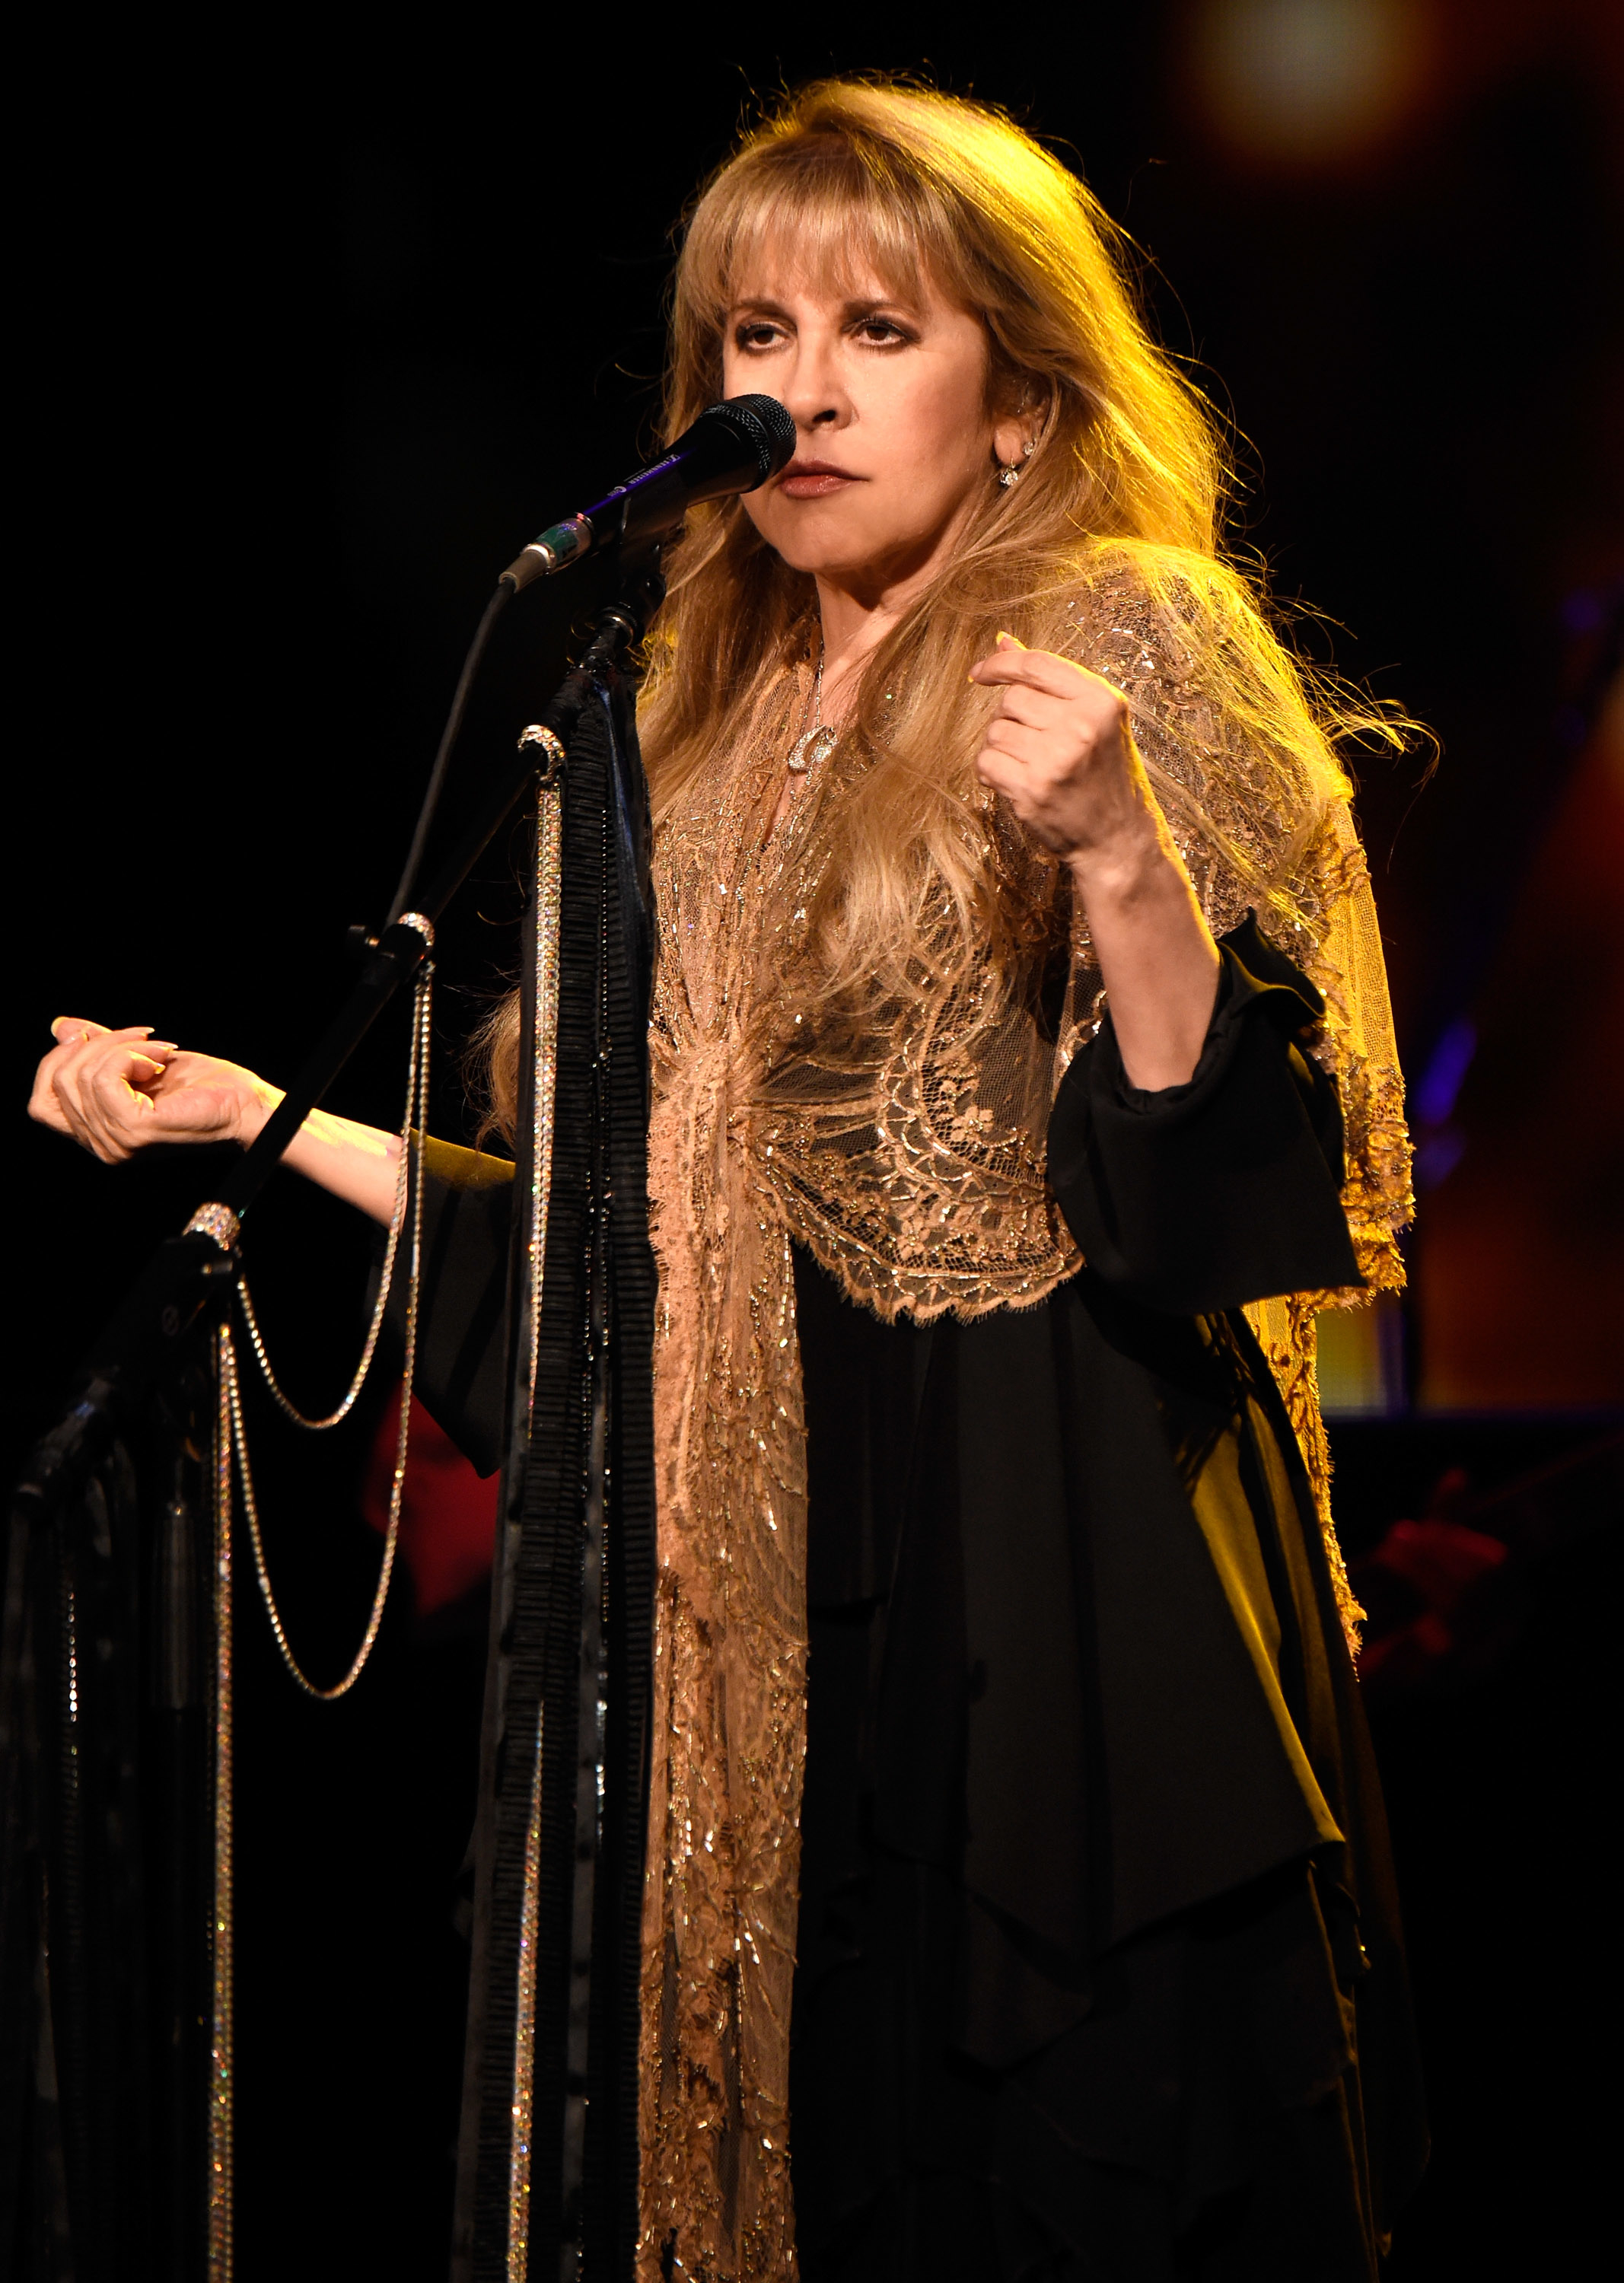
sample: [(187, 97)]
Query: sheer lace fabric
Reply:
[(908, 1154), (1316, 903)]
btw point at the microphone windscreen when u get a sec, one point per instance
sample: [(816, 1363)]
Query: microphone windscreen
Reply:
[(764, 423)]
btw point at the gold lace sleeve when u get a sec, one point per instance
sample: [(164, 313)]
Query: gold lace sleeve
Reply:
[(1227, 803), (1230, 805), (1358, 1048), (1343, 957)]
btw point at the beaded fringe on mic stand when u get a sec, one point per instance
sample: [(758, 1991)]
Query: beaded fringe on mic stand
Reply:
[(544, 981)]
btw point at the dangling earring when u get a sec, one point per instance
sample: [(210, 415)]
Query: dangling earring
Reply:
[(1010, 476)]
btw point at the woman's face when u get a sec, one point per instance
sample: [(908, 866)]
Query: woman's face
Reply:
[(895, 441)]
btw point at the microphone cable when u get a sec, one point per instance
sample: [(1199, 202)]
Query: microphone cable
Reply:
[(448, 736)]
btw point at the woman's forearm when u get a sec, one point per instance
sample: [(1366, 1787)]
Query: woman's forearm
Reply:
[(357, 1163), (1157, 957)]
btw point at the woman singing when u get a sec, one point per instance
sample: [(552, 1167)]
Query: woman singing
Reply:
[(1018, 1901)]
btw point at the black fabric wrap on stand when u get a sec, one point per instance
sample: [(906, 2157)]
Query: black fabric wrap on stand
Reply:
[(83, 2091), (594, 1347)]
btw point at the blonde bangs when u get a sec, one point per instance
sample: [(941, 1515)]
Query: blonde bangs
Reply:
[(821, 207)]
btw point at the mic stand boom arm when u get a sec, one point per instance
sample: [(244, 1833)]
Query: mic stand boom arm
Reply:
[(193, 1271)]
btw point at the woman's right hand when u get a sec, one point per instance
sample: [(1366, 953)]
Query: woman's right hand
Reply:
[(116, 1092)]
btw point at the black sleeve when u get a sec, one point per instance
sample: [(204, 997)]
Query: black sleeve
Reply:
[(1196, 1197), (467, 1206)]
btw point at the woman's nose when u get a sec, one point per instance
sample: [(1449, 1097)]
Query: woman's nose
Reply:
[(818, 413), (815, 397)]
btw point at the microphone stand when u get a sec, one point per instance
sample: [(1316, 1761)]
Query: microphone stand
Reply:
[(151, 1344), (188, 1277)]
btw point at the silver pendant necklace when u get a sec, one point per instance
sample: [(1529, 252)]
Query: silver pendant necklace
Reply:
[(816, 743)]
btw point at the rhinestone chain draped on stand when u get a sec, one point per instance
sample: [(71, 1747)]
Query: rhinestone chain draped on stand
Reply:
[(397, 1221), (221, 2071), (230, 1459), (407, 1200)]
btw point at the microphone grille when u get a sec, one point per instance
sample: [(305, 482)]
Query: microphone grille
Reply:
[(765, 425)]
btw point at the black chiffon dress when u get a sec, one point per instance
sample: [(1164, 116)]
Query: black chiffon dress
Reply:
[(1099, 1971)]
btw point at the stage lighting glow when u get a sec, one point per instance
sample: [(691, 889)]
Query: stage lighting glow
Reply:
[(1308, 83)]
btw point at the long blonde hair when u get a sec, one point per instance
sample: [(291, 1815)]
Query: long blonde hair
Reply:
[(1128, 480)]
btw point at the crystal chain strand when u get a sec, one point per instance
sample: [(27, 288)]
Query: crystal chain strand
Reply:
[(221, 2063), (397, 1218), (416, 1118)]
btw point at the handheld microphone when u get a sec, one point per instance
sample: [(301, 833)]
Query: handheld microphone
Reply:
[(732, 447)]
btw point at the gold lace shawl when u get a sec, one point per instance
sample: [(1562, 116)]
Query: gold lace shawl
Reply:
[(910, 1162)]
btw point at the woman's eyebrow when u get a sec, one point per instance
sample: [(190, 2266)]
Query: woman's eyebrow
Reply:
[(859, 305), (754, 306), (868, 305)]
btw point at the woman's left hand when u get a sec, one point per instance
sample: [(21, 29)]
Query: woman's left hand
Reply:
[(1060, 750)]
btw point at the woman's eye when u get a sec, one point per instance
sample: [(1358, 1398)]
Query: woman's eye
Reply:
[(881, 332), (756, 337)]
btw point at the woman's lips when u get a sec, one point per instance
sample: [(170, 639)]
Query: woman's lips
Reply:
[(813, 480)]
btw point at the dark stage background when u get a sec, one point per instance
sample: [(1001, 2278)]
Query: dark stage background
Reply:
[(324, 326)]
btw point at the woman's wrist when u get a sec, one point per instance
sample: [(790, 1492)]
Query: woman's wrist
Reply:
[(1133, 865), (256, 1101)]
